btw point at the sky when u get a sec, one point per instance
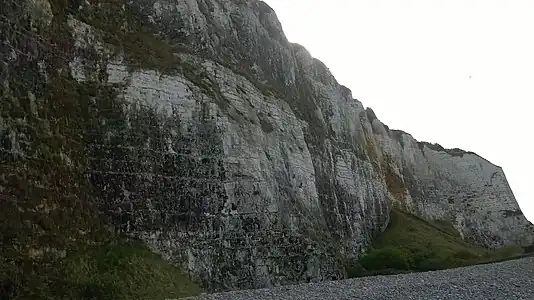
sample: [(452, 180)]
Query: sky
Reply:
[(457, 73)]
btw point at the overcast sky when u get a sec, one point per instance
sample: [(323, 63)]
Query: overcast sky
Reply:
[(456, 72)]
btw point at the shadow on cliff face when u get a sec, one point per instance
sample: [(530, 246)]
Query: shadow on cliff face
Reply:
[(57, 242)]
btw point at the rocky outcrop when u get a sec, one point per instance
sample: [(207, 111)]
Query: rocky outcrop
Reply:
[(197, 127)]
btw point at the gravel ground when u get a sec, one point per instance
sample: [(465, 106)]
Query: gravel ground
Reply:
[(512, 279)]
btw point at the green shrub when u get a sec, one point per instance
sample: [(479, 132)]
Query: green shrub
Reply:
[(99, 290), (434, 263), (507, 251), (465, 255), (420, 254), (387, 258)]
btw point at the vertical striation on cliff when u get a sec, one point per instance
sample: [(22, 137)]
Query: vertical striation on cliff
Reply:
[(197, 127)]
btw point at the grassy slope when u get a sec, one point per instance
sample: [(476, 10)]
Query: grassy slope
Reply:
[(114, 271), (128, 272), (412, 244)]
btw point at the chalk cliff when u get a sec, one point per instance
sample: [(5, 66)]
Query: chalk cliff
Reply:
[(197, 127)]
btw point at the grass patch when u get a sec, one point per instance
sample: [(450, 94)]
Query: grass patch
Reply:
[(114, 271), (412, 244), (126, 271)]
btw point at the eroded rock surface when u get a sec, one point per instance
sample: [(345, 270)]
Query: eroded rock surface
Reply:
[(196, 126)]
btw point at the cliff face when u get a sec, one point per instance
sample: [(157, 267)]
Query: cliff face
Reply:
[(197, 127)]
